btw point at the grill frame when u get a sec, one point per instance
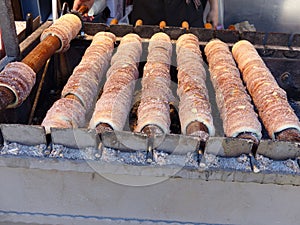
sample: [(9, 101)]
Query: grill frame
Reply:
[(49, 190), (272, 49)]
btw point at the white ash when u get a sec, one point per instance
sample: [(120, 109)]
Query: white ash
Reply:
[(283, 166), (159, 158), (23, 150), (109, 155), (162, 158), (241, 163), (60, 151), (192, 159), (243, 159), (10, 149), (132, 158)]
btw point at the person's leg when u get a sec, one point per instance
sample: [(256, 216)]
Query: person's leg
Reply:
[(151, 12), (203, 2), (175, 12), (195, 16), (178, 11)]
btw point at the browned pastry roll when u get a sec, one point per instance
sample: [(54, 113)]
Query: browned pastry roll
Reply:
[(114, 104), (161, 45), (85, 79), (129, 52), (19, 78), (270, 100), (65, 29), (83, 85), (194, 101), (65, 113), (154, 107), (233, 101)]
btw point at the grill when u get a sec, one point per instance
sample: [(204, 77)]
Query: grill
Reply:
[(219, 159), (281, 59)]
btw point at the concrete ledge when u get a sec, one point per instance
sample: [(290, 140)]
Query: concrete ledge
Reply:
[(58, 191)]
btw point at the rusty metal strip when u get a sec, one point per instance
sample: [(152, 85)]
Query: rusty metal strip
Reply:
[(177, 144), (124, 140), (121, 30), (170, 143), (227, 36), (274, 41), (75, 138), (23, 134), (228, 147), (146, 31), (279, 150), (175, 32), (93, 28)]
